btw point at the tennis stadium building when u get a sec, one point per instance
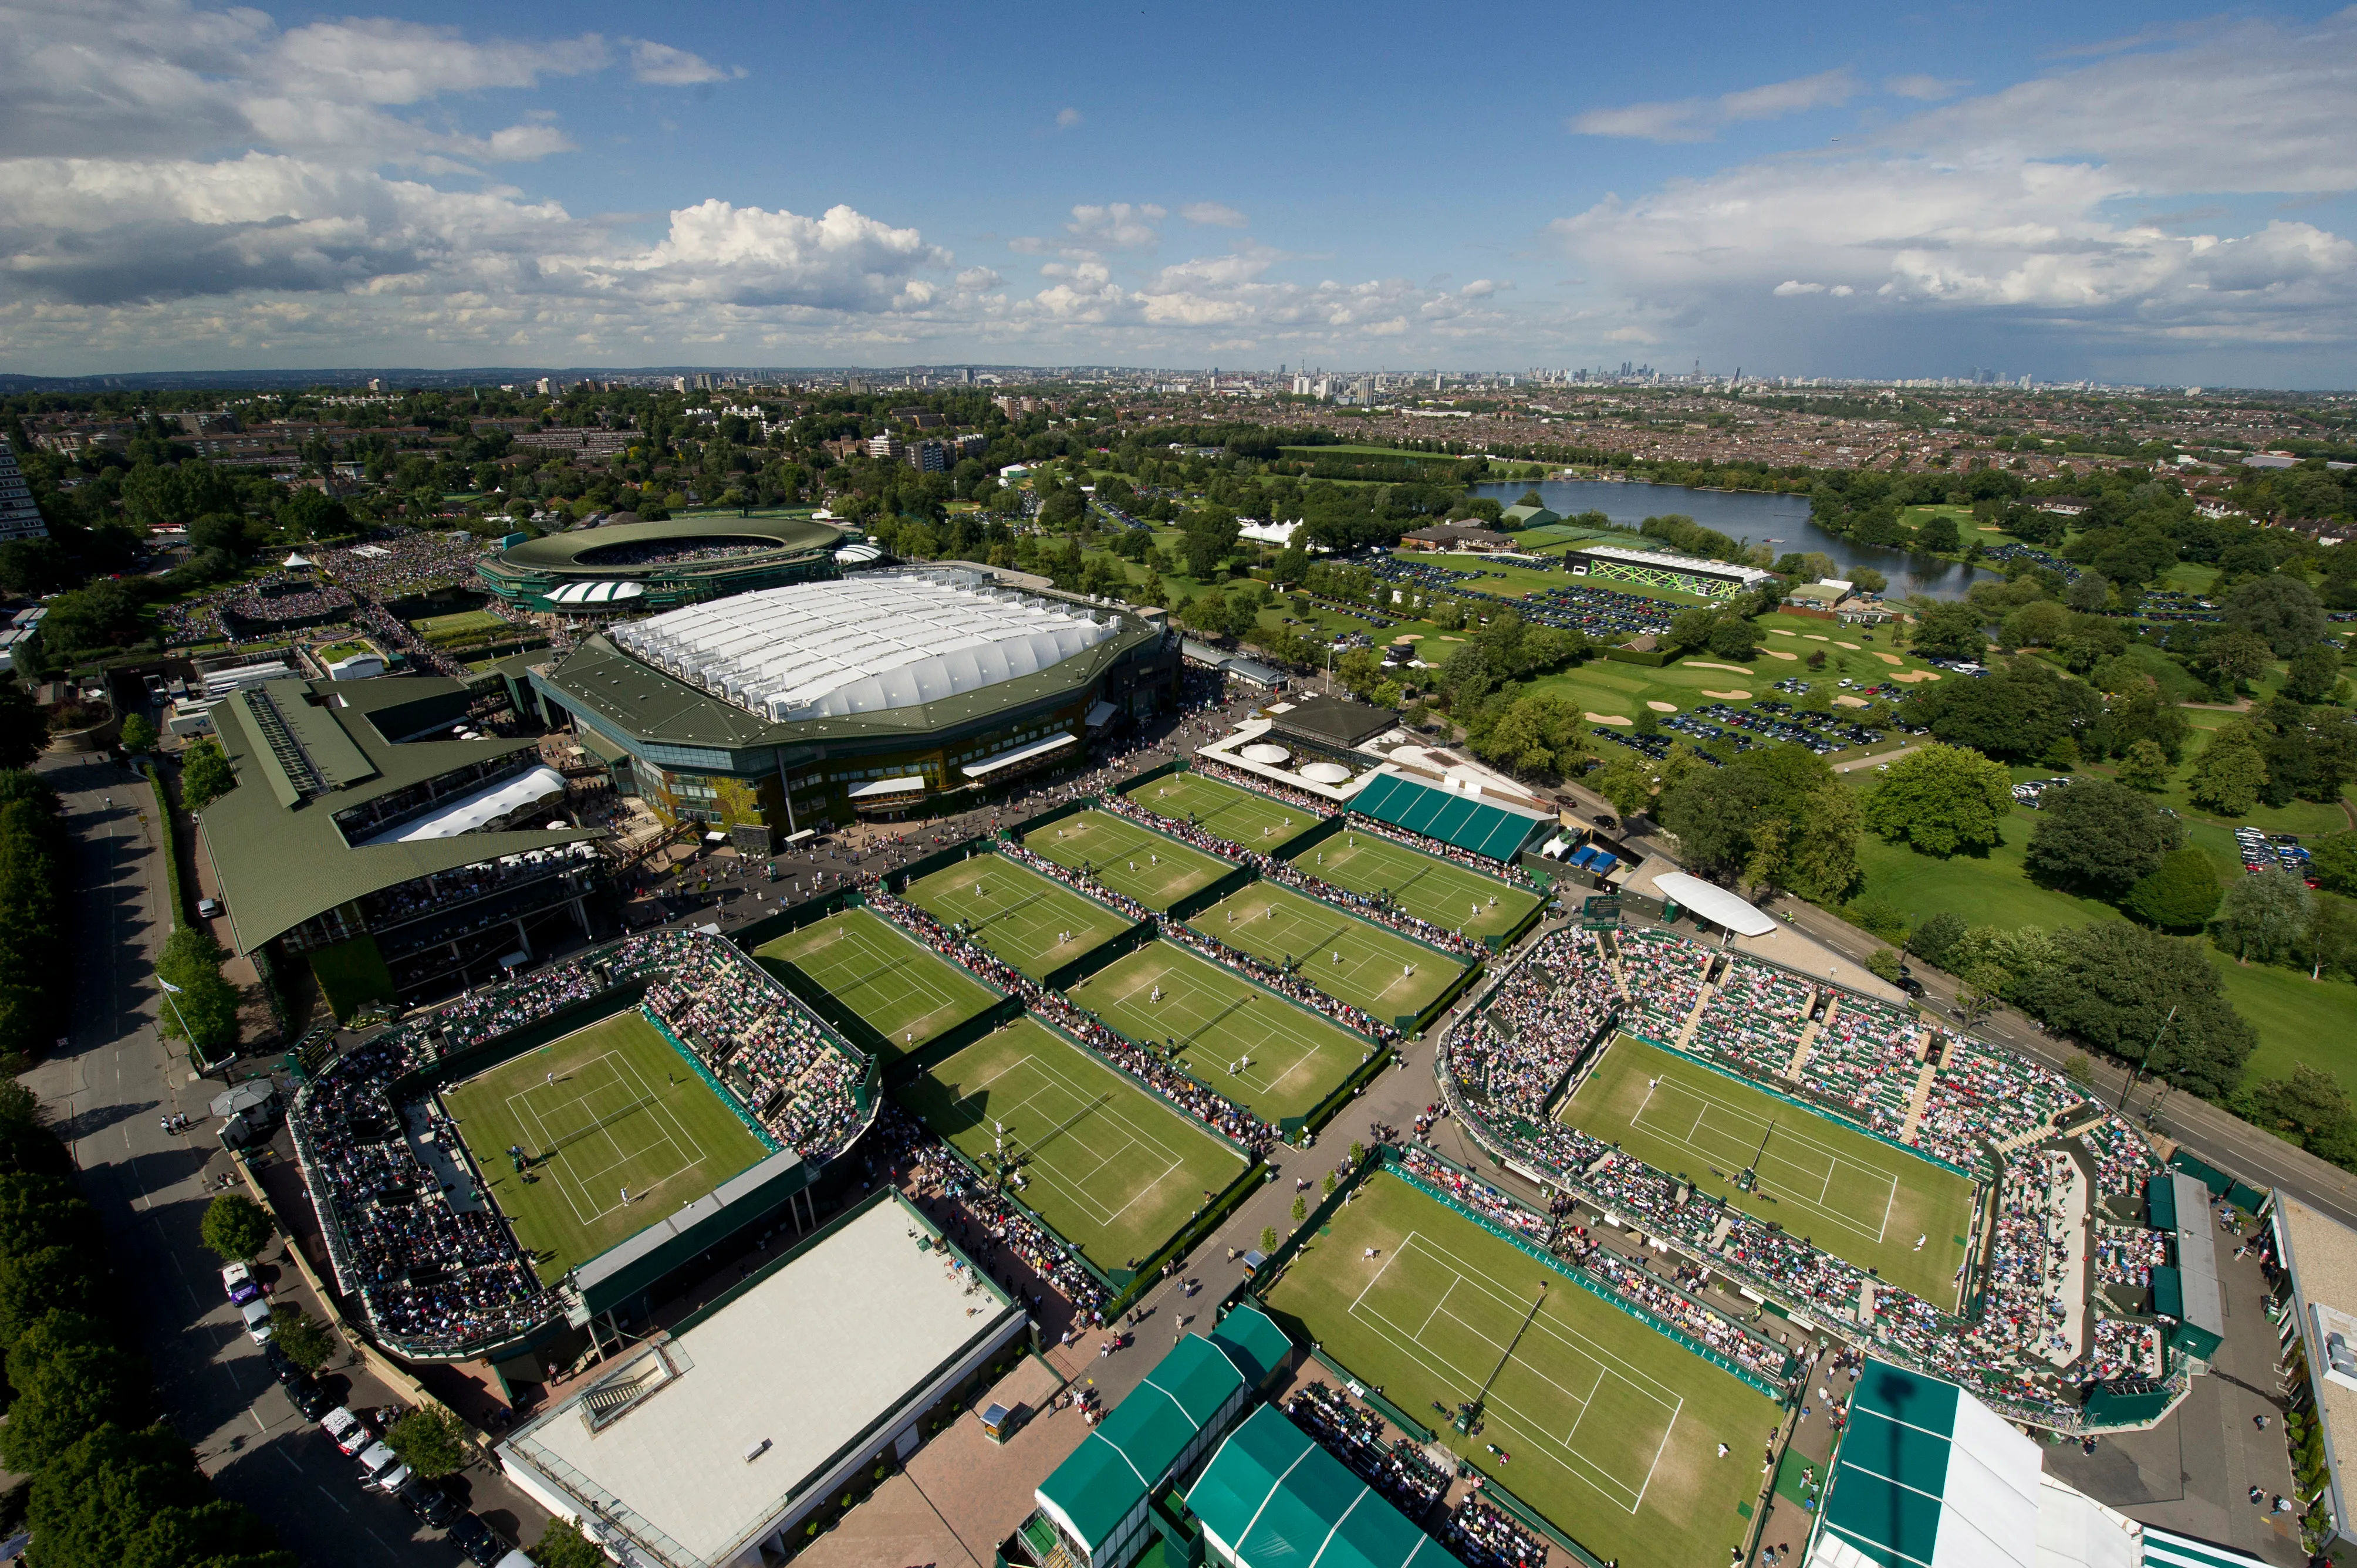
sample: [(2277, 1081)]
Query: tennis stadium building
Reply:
[(802, 708), (713, 1445), (642, 569), (377, 835), (1655, 568)]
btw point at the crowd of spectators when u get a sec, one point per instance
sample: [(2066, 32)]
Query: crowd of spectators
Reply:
[(2121, 1347), (1507, 1059), (279, 596), (1399, 1470), (434, 1269), (392, 565), (2029, 1254), (1483, 1535), (1284, 982), (1078, 881), (1754, 1018), (1300, 799), (1505, 870)]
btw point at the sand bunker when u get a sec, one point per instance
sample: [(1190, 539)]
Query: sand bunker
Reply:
[(1662, 707), (1779, 631), (1890, 659), (1778, 653), (1851, 701), (1909, 677), (1730, 696), (1409, 637), (1814, 636), (1731, 669), (1851, 646), (1608, 719)]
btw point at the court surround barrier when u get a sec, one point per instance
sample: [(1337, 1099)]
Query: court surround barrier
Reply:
[(1334, 825), (735, 1103)]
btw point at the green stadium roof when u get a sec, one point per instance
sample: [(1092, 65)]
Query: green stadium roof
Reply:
[(1927, 1477), (1250, 1333), (560, 553), (1135, 1449), (1468, 822), (1272, 1499)]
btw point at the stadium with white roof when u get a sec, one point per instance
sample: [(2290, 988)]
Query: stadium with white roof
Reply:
[(804, 707)]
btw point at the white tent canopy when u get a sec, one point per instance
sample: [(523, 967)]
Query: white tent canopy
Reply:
[(474, 811), (1714, 904)]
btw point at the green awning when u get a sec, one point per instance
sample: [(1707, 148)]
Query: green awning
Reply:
[(1468, 822), (1133, 1450), (1272, 1498), (1927, 1477), (1251, 1334)]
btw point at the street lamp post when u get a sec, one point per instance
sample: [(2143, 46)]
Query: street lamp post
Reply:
[(2139, 1071)]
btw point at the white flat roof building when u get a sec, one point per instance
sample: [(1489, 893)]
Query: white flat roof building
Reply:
[(703, 1447)]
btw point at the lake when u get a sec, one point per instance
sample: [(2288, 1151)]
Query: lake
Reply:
[(1781, 523)]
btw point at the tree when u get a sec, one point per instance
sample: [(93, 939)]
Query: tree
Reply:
[(1942, 799), (1950, 630), (203, 1009), (2230, 772), (1935, 941), (23, 728), (2145, 767), (2112, 985), (2088, 593), (120, 1499), (2310, 1102), (138, 734), (1866, 580), (236, 1227), (310, 514), (2264, 917), (2334, 862), (2022, 710), (1537, 735), (2315, 671), (2041, 623), (69, 1378), (1268, 1239), (2099, 837), (1627, 779), (562, 1545), (430, 1441), (2330, 941), (2279, 609), (1773, 817), (304, 1339), (205, 774), (2179, 895), (2236, 658)]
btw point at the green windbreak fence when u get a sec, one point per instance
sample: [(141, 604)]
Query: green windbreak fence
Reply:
[(940, 860), (1065, 976), (1466, 820)]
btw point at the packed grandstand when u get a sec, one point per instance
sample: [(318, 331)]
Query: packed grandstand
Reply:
[(437, 1272)]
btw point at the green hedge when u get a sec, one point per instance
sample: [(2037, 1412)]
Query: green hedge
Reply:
[(168, 834)]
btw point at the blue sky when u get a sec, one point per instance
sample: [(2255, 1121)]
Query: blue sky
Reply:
[(2106, 191)]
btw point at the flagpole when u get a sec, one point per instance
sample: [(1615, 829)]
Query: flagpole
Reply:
[(171, 991)]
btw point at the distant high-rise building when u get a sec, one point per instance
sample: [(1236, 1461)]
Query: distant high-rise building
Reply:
[(886, 445), (19, 518), (929, 457)]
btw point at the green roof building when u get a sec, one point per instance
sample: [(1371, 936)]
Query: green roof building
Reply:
[(640, 568), (1485, 827), (378, 834), (1522, 517), (804, 708), (1272, 1498)]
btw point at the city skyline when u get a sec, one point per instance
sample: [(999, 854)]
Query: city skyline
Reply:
[(2115, 196)]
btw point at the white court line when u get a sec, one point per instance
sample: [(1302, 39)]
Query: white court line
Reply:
[(1866, 1176), (1132, 1137)]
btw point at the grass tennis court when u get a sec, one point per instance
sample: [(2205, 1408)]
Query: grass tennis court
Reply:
[(462, 625), (1032, 922), (907, 993), (1137, 862), (1612, 1429), (609, 1110), (1278, 924), (1216, 806), (1111, 1168), (1424, 886), (1856, 1197), (1293, 1058)]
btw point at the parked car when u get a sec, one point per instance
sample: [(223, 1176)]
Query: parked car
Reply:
[(382, 1469), (516, 1559), (310, 1400), (281, 1366), (208, 908), (348, 1431), (1909, 984), (257, 1320), (432, 1502), (238, 1279), (473, 1537)]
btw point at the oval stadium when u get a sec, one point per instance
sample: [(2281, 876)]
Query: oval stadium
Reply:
[(634, 568)]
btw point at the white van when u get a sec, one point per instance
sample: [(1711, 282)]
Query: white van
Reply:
[(516, 1559), (257, 1320), (382, 1469)]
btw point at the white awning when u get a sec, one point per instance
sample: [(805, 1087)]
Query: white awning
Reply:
[(473, 813), (1100, 714), (905, 784), (1714, 904), (598, 593), (1021, 753)]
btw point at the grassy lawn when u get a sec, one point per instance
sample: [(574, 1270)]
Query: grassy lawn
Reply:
[(1856, 1196), (610, 1110), (1623, 690), (1351, 959), (1033, 923), (1111, 1168), (1211, 1019), (1138, 863), (2298, 1020), (906, 992), (1241, 816), (461, 626), (1429, 1314), (1423, 885)]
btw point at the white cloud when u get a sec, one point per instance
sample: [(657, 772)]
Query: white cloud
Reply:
[(1699, 119), (1923, 89), (1214, 214), (1117, 225), (1067, 118), (2020, 207), (666, 67)]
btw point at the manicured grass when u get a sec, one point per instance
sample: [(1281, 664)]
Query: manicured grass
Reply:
[(1857, 1197), (2297, 1019), (1423, 885), (609, 1110), (906, 992), (1111, 1168), (1241, 816), (1378, 970), (1155, 870), (463, 625), (1603, 686), (1612, 1428), (1210, 1019), (1032, 922)]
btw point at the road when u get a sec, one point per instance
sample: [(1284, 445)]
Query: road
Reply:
[(107, 1090)]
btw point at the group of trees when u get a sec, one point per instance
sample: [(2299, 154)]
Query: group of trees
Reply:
[(34, 949)]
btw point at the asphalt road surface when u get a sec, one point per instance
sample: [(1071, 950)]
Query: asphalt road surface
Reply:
[(107, 1090)]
